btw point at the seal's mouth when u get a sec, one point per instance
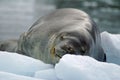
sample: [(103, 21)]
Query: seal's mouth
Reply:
[(58, 55)]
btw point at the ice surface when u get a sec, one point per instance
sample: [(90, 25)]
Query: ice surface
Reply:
[(111, 46), (11, 76), (48, 74), (15, 66), (72, 67), (19, 64)]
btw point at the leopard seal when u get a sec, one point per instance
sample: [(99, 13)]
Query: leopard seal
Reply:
[(64, 31)]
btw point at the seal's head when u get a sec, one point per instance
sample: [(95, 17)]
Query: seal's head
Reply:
[(69, 43)]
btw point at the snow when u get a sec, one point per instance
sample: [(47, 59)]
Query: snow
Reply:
[(14, 66)]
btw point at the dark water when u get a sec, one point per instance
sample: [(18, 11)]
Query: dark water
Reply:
[(106, 13), (16, 16)]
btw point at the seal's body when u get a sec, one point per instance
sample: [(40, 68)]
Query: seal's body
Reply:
[(65, 31)]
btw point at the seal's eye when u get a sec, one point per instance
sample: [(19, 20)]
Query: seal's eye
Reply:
[(61, 37), (68, 49)]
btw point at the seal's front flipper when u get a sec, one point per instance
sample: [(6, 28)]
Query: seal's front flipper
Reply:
[(8, 45)]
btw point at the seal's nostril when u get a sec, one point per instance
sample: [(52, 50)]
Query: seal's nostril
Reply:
[(62, 37)]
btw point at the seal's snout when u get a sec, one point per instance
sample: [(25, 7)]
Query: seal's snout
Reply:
[(59, 51)]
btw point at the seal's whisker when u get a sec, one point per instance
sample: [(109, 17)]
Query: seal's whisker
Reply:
[(58, 55)]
